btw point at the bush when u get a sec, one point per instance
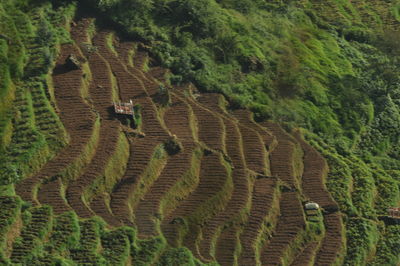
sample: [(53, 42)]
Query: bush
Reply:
[(177, 256), (9, 174)]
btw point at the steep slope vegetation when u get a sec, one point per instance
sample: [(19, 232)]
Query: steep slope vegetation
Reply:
[(194, 177)]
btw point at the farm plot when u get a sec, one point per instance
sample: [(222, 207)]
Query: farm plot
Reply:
[(100, 91), (65, 233), (264, 197), (141, 152), (239, 200), (178, 121), (307, 256), (100, 206), (230, 193), (214, 102), (332, 244), (85, 252), (125, 51), (226, 246), (284, 159), (241, 196), (50, 192), (290, 225), (212, 179), (245, 117), (130, 87), (46, 120), (140, 59), (9, 212), (77, 118), (254, 151), (233, 143), (148, 210), (233, 140), (29, 244), (314, 174), (210, 127)]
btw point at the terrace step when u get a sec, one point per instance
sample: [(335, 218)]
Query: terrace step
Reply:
[(210, 127), (226, 246), (116, 246), (100, 207), (212, 178), (141, 151), (314, 175), (289, 226), (332, 243), (307, 256), (78, 122), (86, 252), (238, 201), (178, 121), (64, 233), (51, 193), (263, 197), (32, 233)]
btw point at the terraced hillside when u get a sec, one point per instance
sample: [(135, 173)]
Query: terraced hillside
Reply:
[(192, 178), (231, 193)]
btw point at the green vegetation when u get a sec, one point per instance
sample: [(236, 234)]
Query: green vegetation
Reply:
[(146, 251), (117, 244), (28, 124), (29, 245), (65, 234), (330, 67), (178, 256)]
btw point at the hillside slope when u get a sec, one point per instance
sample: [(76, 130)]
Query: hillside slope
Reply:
[(202, 173)]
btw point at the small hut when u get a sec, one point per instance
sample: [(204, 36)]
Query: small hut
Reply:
[(124, 108)]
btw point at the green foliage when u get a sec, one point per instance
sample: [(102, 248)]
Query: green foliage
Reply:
[(364, 188), (388, 248), (89, 243), (29, 246), (9, 174), (11, 207), (177, 256), (362, 236), (116, 245), (137, 116), (146, 251), (388, 190), (65, 233), (333, 71)]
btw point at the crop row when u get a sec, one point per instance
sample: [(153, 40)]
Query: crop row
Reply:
[(100, 91), (78, 122), (85, 253), (264, 197), (290, 225), (29, 244), (46, 119)]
